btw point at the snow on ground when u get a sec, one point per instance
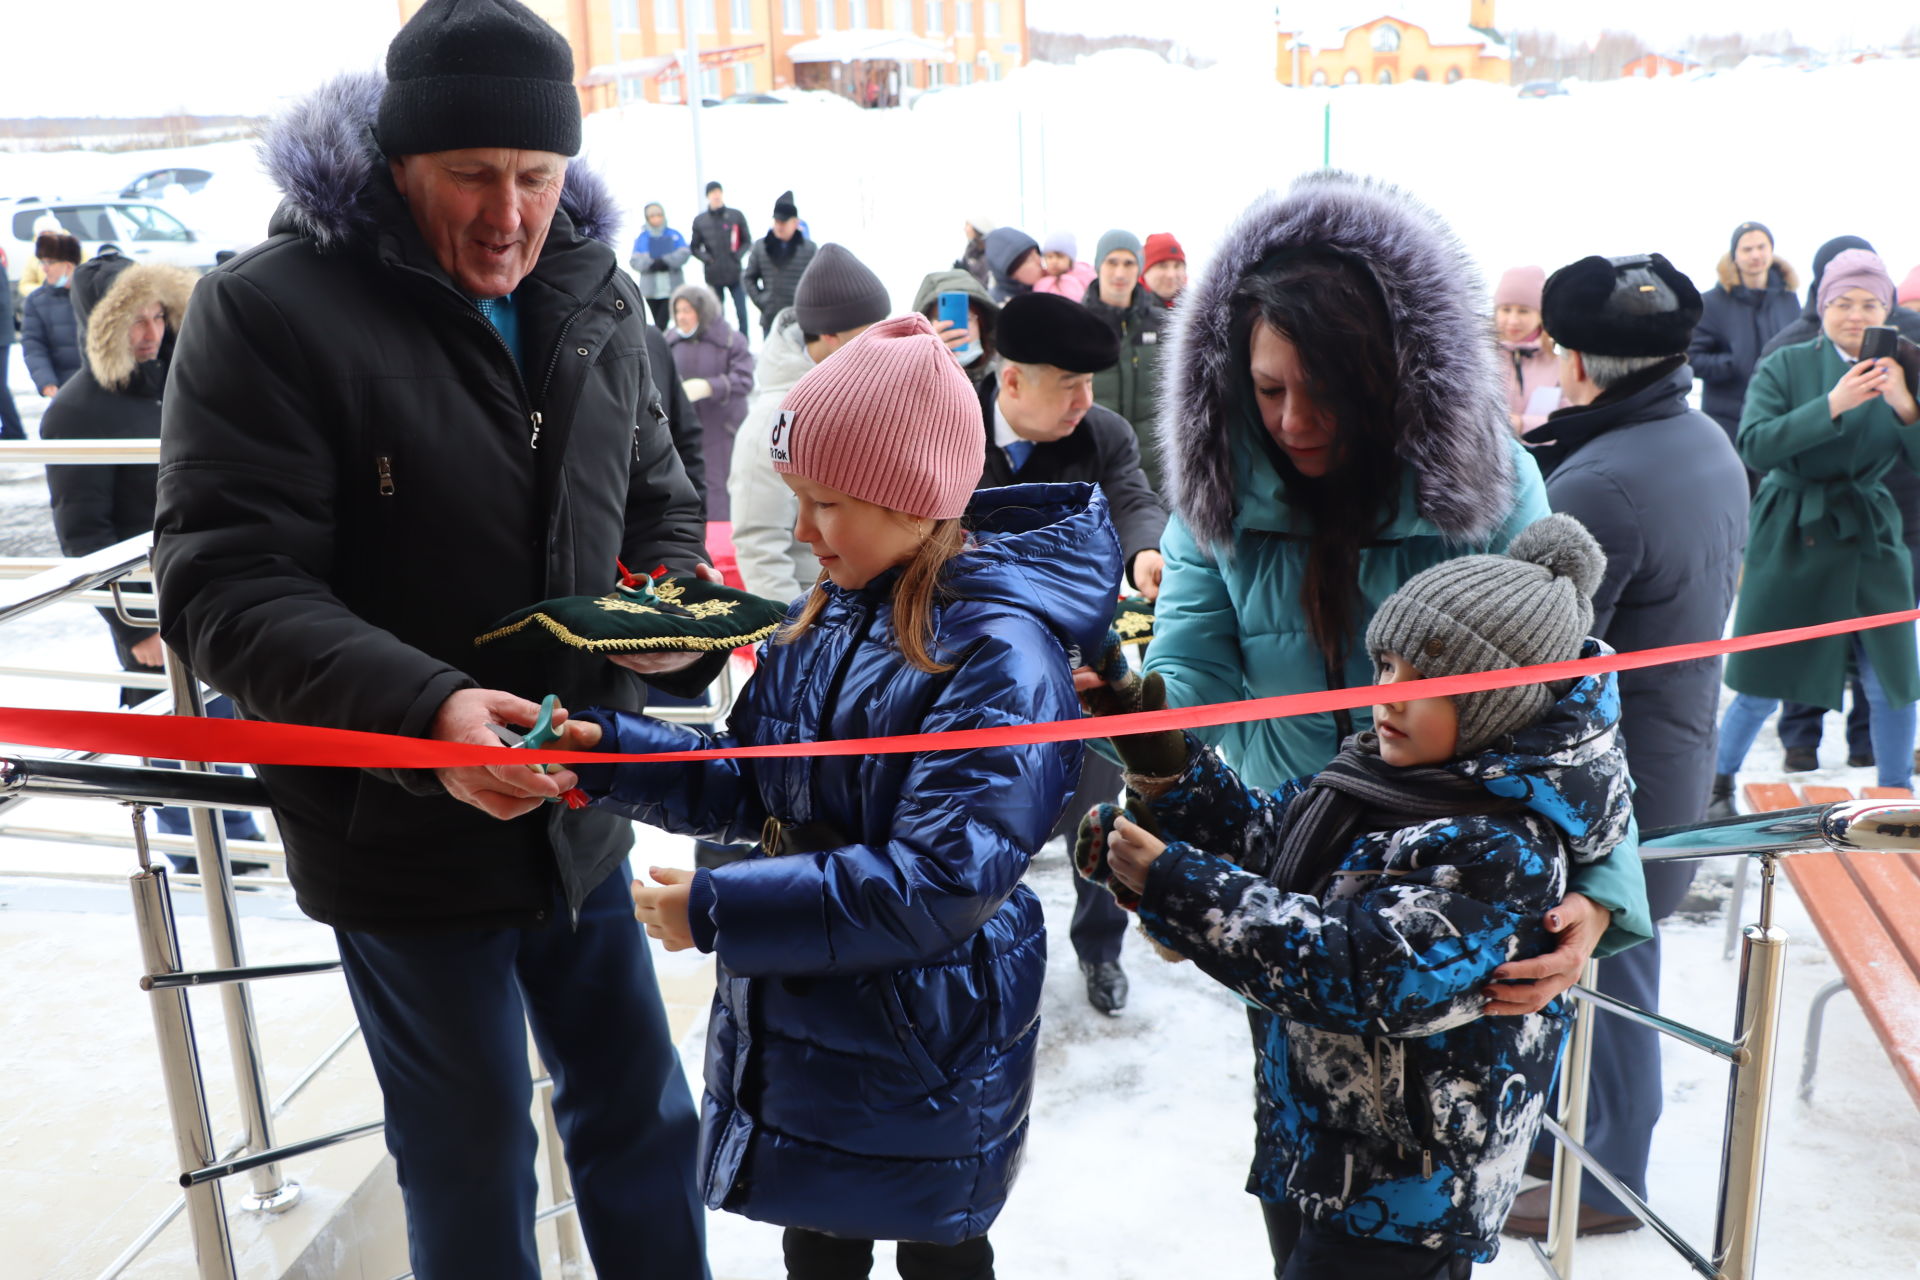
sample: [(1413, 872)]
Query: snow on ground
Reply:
[(1141, 1131)]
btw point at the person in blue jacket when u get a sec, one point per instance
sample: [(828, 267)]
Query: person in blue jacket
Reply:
[(659, 257), (1333, 421), (50, 330), (1366, 908), (870, 1060)]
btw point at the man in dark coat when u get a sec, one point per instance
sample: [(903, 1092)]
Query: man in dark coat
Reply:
[(1662, 490), (1754, 300), (11, 428), (421, 403), (1131, 387), (1800, 725), (777, 262), (50, 334), (1043, 428), (719, 237)]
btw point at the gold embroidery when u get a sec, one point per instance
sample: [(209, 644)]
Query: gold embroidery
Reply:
[(612, 605), (1133, 625), (669, 590)]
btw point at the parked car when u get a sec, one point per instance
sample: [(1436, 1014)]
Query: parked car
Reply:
[(752, 99), (1542, 89), (142, 230), (149, 185)]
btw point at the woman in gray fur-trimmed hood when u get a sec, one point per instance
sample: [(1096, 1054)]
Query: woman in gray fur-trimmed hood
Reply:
[(1333, 422)]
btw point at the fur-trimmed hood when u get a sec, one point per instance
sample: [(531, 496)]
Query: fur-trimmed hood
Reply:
[(1729, 274), (1451, 412), (109, 324), (323, 156)]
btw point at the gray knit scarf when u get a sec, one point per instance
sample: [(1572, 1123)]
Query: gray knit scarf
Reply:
[(1358, 793)]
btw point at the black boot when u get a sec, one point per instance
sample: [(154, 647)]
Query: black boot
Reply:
[(1106, 987), (1720, 805), (1800, 760)]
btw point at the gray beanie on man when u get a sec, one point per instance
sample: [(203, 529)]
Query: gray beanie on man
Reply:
[(1115, 239), (837, 292), (1488, 612)]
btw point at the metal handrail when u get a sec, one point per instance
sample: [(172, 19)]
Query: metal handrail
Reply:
[(128, 784), (86, 573), (81, 453)]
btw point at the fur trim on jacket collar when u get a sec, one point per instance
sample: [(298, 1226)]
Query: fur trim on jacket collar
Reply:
[(110, 324), (323, 156), (1730, 274), (1452, 408)]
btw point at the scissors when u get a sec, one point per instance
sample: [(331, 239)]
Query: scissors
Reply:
[(542, 733)]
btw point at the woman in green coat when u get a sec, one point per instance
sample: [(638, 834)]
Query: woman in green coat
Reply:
[(1825, 540)]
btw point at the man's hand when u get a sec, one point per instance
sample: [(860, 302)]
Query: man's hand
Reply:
[(1525, 986), (1131, 851), (501, 790), (663, 910), (1865, 381), (660, 664), (51, 390), (1148, 566), (151, 651)]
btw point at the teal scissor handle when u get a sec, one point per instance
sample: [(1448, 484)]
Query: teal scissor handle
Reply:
[(543, 731)]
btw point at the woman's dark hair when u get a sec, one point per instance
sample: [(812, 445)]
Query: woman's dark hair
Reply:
[(1331, 309)]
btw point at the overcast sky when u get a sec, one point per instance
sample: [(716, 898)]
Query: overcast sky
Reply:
[(150, 57)]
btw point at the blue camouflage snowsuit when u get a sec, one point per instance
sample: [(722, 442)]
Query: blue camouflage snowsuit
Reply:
[(1399, 1112)]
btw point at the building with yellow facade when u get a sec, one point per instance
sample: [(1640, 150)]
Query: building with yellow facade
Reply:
[(868, 50), (1443, 41)]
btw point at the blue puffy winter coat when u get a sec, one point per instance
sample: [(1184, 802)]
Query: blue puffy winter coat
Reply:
[(870, 1059), (1396, 1111), (50, 336)]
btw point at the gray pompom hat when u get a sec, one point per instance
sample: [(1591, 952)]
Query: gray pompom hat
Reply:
[(1533, 604)]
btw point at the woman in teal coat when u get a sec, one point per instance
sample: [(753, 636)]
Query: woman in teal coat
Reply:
[(1334, 423), (1825, 539)]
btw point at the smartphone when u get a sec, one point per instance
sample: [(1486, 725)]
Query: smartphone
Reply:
[(953, 309), (1879, 341)]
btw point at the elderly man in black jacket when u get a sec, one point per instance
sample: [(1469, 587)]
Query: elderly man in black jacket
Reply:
[(1662, 490), (1044, 428), (421, 403)]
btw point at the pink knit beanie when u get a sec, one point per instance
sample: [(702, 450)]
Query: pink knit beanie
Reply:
[(1521, 287), (1856, 269), (890, 419)]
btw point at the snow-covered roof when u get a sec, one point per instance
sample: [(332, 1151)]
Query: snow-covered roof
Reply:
[(864, 45), (1438, 18)]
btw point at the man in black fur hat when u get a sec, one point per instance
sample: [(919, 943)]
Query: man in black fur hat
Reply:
[(1044, 428), (423, 403)]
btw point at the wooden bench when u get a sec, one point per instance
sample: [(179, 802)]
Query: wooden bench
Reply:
[(1867, 909)]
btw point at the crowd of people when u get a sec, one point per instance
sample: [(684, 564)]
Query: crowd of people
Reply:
[(1332, 459)]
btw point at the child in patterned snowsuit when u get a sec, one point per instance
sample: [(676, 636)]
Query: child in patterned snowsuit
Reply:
[(1368, 905)]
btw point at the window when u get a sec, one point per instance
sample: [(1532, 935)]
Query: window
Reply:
[(1453, 75), (933, 75), (1386, 38), (934, 17), (626, 15), (1319, 77), (963, 18), (710, 83), (703, 22), (670, 89), (857, 14), (666, 15), (993, 17), (823, 15), (743, 78), (790, 17), (1352, 77), (964, 73), (1385, 76), (740, 16), (902, 14), (1420, 73), (993, 71), (632, 89)]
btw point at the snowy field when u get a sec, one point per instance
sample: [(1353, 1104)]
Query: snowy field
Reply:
[(1141, 1132)]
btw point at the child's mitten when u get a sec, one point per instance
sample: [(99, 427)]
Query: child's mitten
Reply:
[(1090, 855)]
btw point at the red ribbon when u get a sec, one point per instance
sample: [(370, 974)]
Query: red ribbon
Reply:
[(259, 742)]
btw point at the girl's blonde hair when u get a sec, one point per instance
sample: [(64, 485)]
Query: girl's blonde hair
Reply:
[(913, 598)]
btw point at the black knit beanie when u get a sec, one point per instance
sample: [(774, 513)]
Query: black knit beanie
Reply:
[(784, 208), (1733, 245), (479, 73)]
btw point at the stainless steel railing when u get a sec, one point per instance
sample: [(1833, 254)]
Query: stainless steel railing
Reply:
[(1752, 1052)]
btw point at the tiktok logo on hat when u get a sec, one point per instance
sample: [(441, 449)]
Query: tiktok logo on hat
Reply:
[(783, 436)]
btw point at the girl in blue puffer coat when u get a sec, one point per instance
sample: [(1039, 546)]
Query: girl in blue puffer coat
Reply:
[(870, 1060), (1368, 906)]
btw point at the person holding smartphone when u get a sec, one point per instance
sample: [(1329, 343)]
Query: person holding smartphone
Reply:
[(1824, 420)]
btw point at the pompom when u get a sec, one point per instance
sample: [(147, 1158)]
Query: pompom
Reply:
[(1561, 545)]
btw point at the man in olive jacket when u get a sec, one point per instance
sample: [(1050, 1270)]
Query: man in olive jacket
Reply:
[(421, 403), (1131, 387)]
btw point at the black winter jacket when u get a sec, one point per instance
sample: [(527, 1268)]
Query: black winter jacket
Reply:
[(1100, 451), (1131, 388), (50, 336), (1663, 492), (773, 273), (1735, 324), (356, 479), (712, 240)]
